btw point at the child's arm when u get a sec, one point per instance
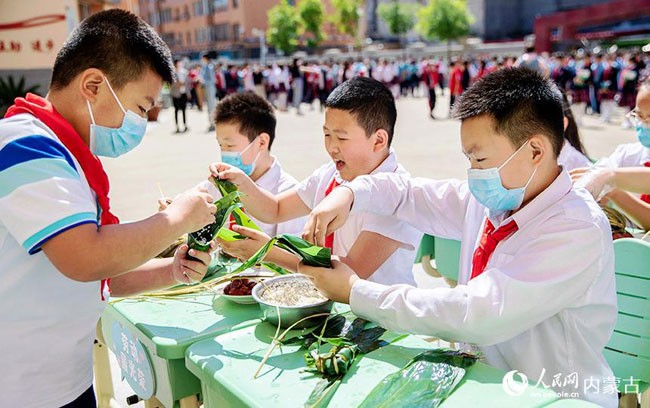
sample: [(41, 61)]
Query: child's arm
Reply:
[(369, 252), (633, 179), (433, 207), (86, 253), (542, 278), (633, 207), (260, 203), (162, 273)]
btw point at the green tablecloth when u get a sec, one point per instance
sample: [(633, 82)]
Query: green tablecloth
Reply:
[(226, 364), (167, 327)]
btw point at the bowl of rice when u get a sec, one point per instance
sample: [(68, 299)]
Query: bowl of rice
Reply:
[(287, 299)]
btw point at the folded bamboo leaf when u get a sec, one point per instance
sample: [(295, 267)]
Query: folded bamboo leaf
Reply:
[(311, 255), (426, 381), (241, 218), (225, 187), (229, 235), (200, 240)]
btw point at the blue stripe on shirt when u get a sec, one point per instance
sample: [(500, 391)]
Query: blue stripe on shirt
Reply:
[(33, 243), (34, 171), (33, 147)]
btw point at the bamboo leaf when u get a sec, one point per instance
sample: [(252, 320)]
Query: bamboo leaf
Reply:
[(322, 393), (426, 381)]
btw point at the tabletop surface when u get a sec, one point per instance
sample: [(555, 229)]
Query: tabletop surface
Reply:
[(231, 359)]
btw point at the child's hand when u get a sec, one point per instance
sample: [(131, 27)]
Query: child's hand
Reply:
[(335, 283), (189, 271), (329, 215), (193, 208), (244, 248), (223, 171), (163, 204)]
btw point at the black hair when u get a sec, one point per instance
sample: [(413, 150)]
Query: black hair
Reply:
[(520, 101), (252, 113), (117, 42), (571, 133), (369, 101)]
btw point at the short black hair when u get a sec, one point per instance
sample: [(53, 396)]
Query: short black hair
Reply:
[(252, 113), (117, 42), (521, 102), (369, 101)]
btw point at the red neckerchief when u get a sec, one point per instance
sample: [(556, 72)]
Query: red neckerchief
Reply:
[(329, 240), (646, 197), (43, 110)]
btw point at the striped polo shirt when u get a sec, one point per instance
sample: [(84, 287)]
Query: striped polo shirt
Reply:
[(47, 320)]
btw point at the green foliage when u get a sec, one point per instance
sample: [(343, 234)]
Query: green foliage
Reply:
[(399, 17), (346, 16), (311, 16), (10, 90), (283, 27), (444, 20)]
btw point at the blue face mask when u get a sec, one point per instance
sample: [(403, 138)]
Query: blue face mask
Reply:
[(235, 159), (114, 142), (643, 133), (486, 186)]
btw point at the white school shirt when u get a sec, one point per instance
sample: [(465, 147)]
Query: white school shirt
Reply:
[(274, 180), (627, 155), (570, 158), (546, 302), (47, 320), (398, 268)]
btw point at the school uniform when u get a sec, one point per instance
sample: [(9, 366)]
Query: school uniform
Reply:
[(570, 158), (545, 302), (629, 155), (275, 180), (398, 267)]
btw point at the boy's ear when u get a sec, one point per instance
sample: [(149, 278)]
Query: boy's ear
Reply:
[(540, 146), (381, 139), (264, 139), (89, 83)]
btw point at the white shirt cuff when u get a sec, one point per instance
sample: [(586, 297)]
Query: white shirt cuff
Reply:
[(364, 298)]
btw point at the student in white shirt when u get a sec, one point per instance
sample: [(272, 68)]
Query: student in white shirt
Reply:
[(59, 242), (635, 154), (544, 301), (245, 128), (360, 119)]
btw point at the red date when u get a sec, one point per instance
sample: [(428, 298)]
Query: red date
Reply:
[(239, 287)]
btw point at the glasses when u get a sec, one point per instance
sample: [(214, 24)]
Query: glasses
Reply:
[(636, 119)]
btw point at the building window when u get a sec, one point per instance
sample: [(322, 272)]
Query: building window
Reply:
[(220, 4), (188, 38), (235, 32), (221, 32), (235, 3)]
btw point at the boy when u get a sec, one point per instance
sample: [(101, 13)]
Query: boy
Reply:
[(245, 125), (536, 289), (59, 238), (360, 119)]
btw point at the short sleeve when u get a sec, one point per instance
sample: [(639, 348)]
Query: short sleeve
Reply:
[(42, 192), (308, 189), (392, 228)]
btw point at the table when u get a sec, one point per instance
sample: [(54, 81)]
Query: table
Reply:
[(225, 366), (165, 328)]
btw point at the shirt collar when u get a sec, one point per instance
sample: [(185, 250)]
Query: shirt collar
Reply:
[(270, 178), (551, 195)]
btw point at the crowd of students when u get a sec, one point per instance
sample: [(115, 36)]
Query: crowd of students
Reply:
[(595, 83), (536, 289)]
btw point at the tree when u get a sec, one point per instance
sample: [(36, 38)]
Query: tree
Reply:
[(444, 20), (311, 16), (399, 17), (346, 16), (283, 27)]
